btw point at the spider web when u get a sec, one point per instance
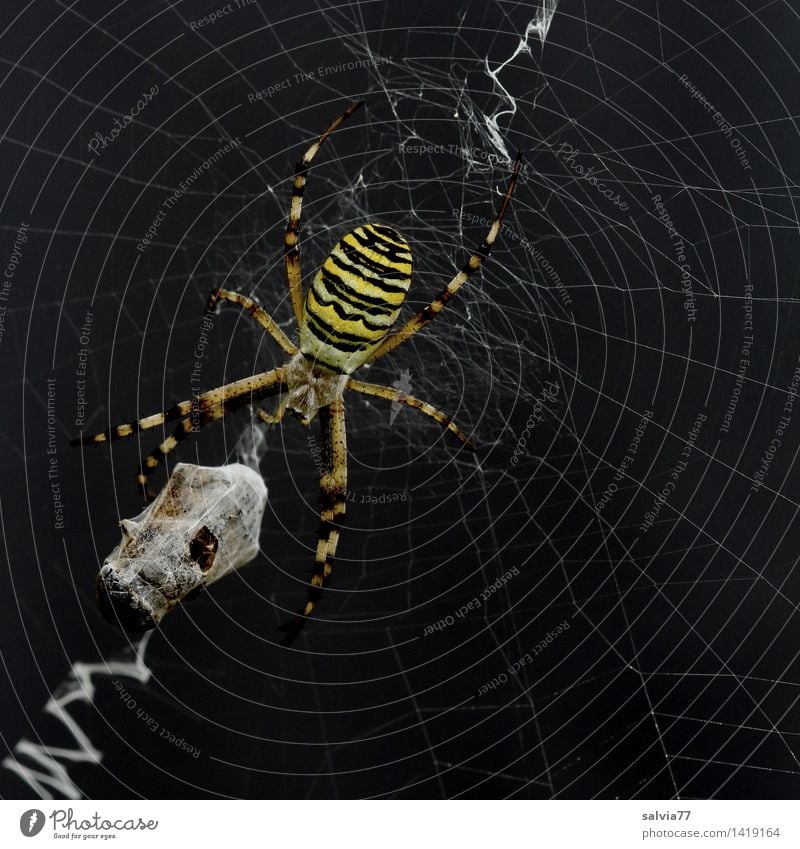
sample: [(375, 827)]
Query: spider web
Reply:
[(602, 600)]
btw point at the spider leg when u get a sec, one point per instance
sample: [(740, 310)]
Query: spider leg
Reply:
[(193, 414), (391, 394), (183, 408), (427, 314), (157, 455), (258, 313), (259, 385), (332, 493), (291, 248), (209, 407), (274, 418)]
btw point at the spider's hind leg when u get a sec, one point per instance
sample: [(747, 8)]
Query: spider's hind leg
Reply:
[(332, 494)]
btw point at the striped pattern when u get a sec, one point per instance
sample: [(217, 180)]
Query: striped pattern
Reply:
[(426, 315), (332, 492), (193, 414), (210, 407), (291, 239), (355, 298)]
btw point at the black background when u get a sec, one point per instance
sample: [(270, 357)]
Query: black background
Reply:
[(679, 674)]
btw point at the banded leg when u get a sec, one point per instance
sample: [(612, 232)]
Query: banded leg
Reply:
[(332, 494), (391, 394), (158, 454), (275, 418), (258, 313), (427, 314), (208, 408), (258, 385), (290, 240), (194, 415)]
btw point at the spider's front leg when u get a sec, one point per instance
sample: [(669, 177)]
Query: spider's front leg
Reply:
[(291, 244), (427, 314), (256, 311), (332, 494)]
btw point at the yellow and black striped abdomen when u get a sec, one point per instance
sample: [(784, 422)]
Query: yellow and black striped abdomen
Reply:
[(355, 298)]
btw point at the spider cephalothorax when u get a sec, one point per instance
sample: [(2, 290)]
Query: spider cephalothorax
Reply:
[(344, 321)]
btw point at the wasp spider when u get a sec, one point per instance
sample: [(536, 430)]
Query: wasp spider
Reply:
[(343, 322)]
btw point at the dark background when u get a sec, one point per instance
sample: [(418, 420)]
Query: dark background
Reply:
[(679, 673)]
